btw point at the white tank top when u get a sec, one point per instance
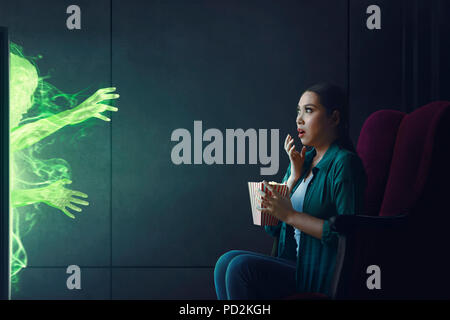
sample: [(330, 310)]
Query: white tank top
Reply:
[(297, 203)]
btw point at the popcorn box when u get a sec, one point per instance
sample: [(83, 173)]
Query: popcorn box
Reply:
[(264, 218)]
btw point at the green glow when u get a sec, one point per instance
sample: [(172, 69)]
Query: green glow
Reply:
[(24, 81), (37, 110)]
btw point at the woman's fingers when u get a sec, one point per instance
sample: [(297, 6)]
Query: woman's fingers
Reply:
[(275, 194), (264, 205), (298, 155), (289, 140), (295, 155), (303, 152), (291, 149), (288, 145), (262, 196)]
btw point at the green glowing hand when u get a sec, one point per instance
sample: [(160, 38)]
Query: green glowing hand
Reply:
[(55, 195), (92, 107)]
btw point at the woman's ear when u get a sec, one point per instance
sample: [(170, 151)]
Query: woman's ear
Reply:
[(336, 117)]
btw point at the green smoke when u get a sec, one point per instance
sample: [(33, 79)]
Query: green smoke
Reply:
[(38, 110), (29, 94)]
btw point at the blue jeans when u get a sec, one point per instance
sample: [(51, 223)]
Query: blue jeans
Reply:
[(245, 275)]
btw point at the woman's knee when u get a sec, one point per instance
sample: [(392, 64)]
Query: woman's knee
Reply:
[(224, 260), (238, 277), (238, 267)]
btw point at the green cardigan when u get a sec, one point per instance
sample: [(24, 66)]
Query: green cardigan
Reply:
[(337, 188)]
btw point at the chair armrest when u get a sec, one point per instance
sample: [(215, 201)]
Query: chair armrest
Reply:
[(349, 223), (366, 240)]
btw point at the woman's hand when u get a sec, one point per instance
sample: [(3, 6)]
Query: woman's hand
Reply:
[(297, 158), (275, 204), (92, 107)]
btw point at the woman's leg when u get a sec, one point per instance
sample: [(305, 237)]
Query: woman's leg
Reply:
[(257, 276), (221, 269)]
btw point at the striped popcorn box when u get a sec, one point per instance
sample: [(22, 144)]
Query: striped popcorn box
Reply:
[(264, 218)]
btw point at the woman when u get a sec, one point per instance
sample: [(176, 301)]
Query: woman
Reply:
[(325, 181)]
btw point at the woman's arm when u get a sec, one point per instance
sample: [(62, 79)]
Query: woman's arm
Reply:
[(281, 207), (306, 223), (296, 161), (291, 182), (347, 193)]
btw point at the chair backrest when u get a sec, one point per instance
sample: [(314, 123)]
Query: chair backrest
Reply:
[(375, 148), (417, 149), (413, 258), (418, 187)]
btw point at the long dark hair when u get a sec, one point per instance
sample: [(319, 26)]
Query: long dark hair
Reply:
[(333, 97)]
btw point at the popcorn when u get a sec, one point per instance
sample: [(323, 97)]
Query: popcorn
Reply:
[(264, 218)]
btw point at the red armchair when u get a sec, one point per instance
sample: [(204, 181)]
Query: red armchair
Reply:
[(407, 238)]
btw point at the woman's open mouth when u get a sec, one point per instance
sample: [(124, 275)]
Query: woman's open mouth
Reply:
[(301, 133)]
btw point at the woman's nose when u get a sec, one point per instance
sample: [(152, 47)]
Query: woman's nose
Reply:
[(299, 119)]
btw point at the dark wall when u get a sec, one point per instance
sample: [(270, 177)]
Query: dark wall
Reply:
[(403, 65), (154, 229), (375, 62), (441, 63), (230, 65)]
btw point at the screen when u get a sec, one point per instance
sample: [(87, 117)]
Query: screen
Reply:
[(4, 162)]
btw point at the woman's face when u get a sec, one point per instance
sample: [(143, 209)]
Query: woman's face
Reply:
[(315, 128)]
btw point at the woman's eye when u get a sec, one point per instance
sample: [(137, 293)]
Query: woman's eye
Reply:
[(307, 110)]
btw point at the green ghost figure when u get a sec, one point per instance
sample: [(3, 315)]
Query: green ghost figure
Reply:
[(24, 81)]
